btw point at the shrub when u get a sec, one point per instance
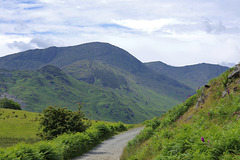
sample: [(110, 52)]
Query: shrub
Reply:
[(10, 104), (49, 150), (23, 152), (154, 123), (119, 127), (104, 130), (57, 121), (74, 144)]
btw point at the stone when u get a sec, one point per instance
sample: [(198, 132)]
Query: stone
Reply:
[(224, 93), (235, 73)]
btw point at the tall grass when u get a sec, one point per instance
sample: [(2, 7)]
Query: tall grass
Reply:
[(212, 132)]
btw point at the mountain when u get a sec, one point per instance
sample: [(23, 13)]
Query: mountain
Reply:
[(49, 86), (113, 85), (193, 76), (206, 126), (98, 52)]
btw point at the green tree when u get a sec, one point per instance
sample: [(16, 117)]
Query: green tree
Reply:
[(57, 121), (8, 103)]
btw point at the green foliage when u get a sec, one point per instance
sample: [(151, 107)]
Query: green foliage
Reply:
[(22, 152), (65, 146), (49, 150), (56, 121), (10, 104), (175, 113), (211, 133), (141, 137), (224, 79), (49, 86), (119, 87), (153, 123)]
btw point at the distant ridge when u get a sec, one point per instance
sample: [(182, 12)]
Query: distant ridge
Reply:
[(192, 75)]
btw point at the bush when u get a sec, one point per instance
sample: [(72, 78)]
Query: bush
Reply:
[(57, 121), (154, 123), (10, 104), (119, 127), (49, 150), (23, 152), (104, 130), (65, 146)]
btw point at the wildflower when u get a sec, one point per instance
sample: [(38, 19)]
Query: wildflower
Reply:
[(146, 144), (230, 70), (208, 113), (208, 141), (228, 91), (202, 139), (157, 136), (198, 87)]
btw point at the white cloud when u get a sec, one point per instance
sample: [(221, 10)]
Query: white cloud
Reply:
[(34, 43), (147, 25), (190, 31)]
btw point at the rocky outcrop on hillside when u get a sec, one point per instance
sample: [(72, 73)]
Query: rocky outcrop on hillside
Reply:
[(235, 73)]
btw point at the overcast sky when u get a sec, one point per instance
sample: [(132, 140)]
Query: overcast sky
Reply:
[(177, 32)]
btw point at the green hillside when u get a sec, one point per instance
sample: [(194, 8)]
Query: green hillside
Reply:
[(104, 53), (193, 76), (206, 126), (50, 86), (111, 83)]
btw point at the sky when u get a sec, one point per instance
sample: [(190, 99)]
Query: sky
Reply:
[(176, 32)]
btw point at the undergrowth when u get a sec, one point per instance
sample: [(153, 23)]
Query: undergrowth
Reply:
[(64, 147), (210, 131)]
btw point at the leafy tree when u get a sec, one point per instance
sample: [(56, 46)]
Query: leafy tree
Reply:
[(57, 121), (8, 103)]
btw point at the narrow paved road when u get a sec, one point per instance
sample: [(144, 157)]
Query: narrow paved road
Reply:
[(112, 148)]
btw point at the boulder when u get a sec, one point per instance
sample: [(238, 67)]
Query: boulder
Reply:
[(235, 73)]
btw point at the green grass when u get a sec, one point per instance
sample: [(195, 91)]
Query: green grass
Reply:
[(50, 86), (181, 130), (66, 146), (18, 126)]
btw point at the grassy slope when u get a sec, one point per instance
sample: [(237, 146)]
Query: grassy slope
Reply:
[(181, 131), (22, 126), (51, 86), (100, 52), (17, 126)]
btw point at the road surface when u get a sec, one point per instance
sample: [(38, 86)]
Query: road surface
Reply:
[(112, 148)]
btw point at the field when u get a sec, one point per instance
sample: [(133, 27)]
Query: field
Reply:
[(21, 126), (18, 126)]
